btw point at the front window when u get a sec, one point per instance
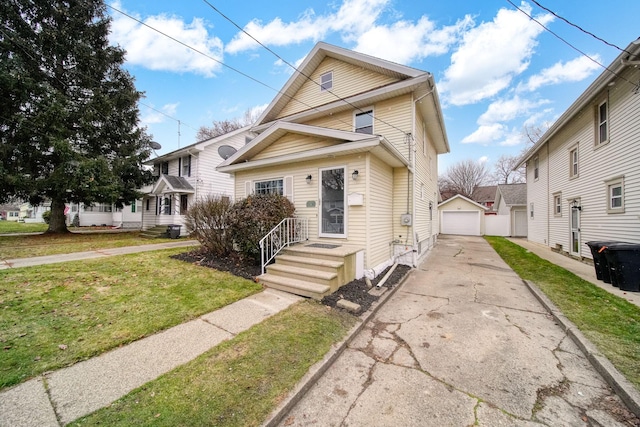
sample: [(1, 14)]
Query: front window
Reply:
[(557, 204), (184, 204), (364, 122), (99, 207), (166, 206), (603, 120), (326, 81), (164, 168), (573, 161), (274, 186), (615, 196)]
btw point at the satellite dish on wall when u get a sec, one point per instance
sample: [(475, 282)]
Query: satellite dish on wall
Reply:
[(226, 151), (155, 145)]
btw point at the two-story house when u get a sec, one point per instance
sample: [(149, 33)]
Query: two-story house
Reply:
[(583, 174), (353, 141)]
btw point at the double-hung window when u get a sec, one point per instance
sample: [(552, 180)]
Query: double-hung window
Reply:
[(603, 123), (573, 162), (185, 166), (326, 81), (557, 204), (364, 121), (615, 195), (536, 168)]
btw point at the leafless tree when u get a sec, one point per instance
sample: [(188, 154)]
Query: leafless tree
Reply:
[(220, 127), (504, 173), (463, 178)]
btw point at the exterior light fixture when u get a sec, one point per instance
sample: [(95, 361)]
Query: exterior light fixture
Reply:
[(575, 204), (354, 175), (309, 179)]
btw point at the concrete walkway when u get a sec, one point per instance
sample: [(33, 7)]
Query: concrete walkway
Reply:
[(59, 397), (99, 253), (462, 341), (580, 269)]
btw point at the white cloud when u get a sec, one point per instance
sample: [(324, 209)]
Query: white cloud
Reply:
[(158, 115), (571, 71), (485, 134), (491, 55), (512, 138), (505, 110), (150, 49), (405, 41), (482, 160)]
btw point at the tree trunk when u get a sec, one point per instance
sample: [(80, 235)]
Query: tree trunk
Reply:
[(57, 221)]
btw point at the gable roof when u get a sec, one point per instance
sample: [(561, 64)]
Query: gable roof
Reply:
[(172, 184), (512, 194), (628, 58), (321, 51), (198, 146), (485, 193), (346, 143), (460, 196)]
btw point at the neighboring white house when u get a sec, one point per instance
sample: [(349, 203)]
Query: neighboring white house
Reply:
[(127, 217), (461, 215), (10, 212), (33, 214), (188, 174), (583, 174), (511, 206)]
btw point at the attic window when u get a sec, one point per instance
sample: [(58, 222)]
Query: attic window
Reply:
[(326, 81)]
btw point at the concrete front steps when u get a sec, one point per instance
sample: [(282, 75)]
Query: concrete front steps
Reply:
[(312, 272), (155, 232)]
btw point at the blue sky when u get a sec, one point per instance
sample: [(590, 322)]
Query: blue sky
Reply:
[(496, 69)]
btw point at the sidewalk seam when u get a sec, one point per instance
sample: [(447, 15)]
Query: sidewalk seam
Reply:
[(319, 368), (623, 387)]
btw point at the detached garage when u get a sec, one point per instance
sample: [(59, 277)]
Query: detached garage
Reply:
[(463, 216)]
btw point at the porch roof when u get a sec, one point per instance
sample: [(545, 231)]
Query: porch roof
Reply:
[(172, 184)]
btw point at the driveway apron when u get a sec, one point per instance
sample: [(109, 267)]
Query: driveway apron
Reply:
[(462, 342)]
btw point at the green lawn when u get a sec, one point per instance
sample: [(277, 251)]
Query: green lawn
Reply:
[(239, 382), (55, 315), (12, 247), (610, 322), (21, 227)]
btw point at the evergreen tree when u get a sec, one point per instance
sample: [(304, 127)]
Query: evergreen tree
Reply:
[(69, 125)]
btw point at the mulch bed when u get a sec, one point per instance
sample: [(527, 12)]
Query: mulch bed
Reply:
[(356, 291)]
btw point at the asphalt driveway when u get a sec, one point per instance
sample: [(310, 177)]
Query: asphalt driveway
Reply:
[(462, 342)]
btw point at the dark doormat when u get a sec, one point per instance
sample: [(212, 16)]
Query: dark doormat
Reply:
[(322, 246)]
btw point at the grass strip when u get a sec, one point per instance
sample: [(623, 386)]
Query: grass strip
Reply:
[(55, 315), (239, 382), (12, 247), (21, 227), (610, 322)]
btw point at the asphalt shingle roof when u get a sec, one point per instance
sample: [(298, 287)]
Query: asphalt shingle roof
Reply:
[(514, 194)]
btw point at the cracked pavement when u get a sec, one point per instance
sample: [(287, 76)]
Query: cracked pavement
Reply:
[(462, 343)]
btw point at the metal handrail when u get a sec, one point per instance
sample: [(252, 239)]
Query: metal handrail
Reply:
[(290, 230)]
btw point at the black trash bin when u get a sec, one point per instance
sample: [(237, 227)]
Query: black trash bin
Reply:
[(173, 231), (600, 260), (624, 265)]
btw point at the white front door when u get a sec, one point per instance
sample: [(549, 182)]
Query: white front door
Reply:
[(333, 213), (575, 231)]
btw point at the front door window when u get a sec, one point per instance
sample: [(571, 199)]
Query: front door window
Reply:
[(332, 206)]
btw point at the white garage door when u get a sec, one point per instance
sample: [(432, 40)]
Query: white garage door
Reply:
[(466, 223)]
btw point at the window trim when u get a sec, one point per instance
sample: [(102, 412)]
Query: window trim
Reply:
[(557, 203), (574, 164), (184, 163), (536, 168), (609, 185), (328, 84), (599, 122), (361, 112), (264, 181), (531, 210)]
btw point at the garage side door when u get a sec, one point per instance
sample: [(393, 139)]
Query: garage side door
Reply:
[(466, 223)]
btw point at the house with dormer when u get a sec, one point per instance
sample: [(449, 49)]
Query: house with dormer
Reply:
[(352, 140)]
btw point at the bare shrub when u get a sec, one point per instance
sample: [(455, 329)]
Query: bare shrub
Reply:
[(207, 221)]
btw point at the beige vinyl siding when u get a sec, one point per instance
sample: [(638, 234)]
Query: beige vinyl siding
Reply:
[(394, 121), (304, 193), (380, 223), (339, 121), (426, 222), (348, 80), (401, 181), (293, 143), (537, 227)]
